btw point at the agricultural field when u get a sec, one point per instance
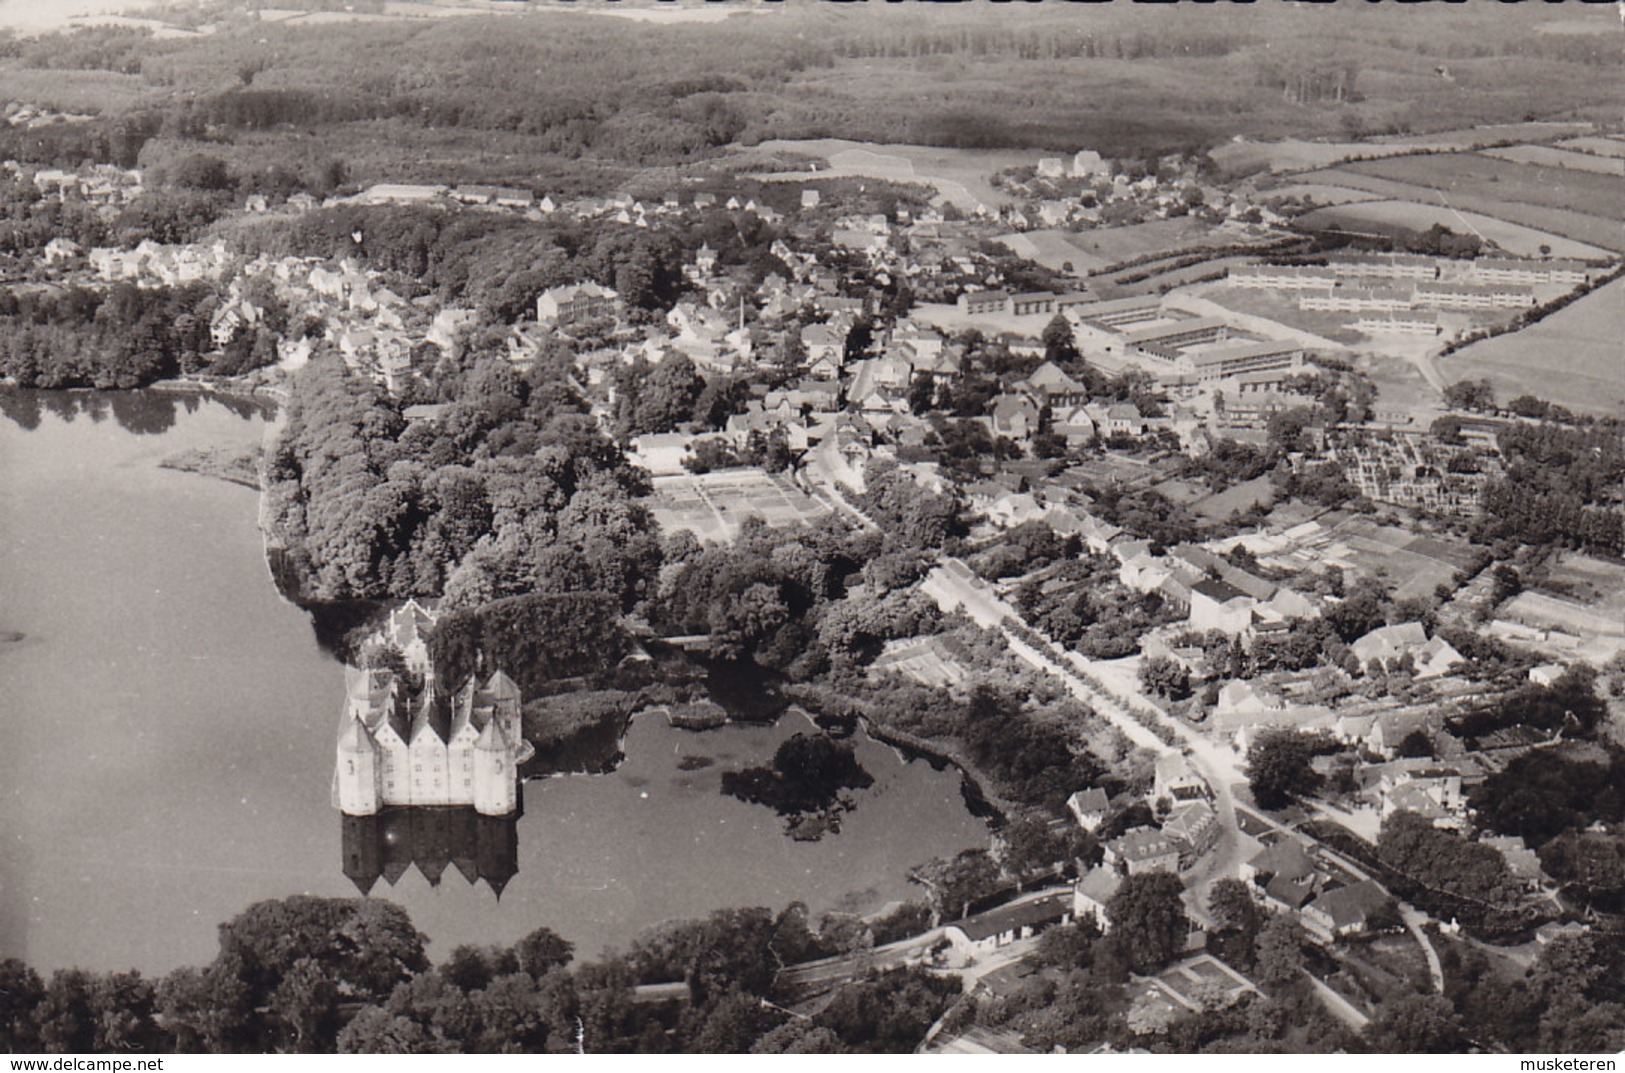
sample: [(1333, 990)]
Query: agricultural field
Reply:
[(959, 175), (1586, 580), (1571, 358), (90, 92), (1114, 245), (1054, 249), (1412, 565), (1546, 156), (1514, 238), (1613, 147), (1293, 154), (1319, 193), (1470, 177)]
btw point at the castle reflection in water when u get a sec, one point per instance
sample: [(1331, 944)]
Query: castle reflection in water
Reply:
[(387, 844)]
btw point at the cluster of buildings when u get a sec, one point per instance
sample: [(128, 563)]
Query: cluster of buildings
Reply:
[(1411, 469), (1325, 897), (103, 186), (1406, 293), (400, 744), (1088, 191), (374, 328), (1184, 352)]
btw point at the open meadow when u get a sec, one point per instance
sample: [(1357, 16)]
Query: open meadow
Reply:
[(1572, 357)]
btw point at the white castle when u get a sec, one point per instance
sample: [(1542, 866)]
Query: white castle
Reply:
[(398, 749)]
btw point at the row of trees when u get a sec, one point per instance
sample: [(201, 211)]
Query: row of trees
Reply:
[(311, 974)]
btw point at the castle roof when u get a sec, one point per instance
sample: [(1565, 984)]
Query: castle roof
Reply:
[(353, 737), (429, 717), (491, 739)]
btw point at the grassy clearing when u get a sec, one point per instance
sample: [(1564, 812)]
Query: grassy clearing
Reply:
[(75, 91)]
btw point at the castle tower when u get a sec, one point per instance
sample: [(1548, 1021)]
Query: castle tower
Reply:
[(496, 776), (355, 777)]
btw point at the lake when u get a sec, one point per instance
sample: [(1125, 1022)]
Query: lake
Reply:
[(167, 741)]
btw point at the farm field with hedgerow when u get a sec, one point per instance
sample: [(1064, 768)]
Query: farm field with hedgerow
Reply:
[(1571, 358)]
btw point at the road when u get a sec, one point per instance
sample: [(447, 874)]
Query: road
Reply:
[(1111, 694)]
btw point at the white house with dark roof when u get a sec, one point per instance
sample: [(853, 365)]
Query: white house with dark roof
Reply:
[(982, 934), (1089, 807), (1092, 892), (1141, 850)]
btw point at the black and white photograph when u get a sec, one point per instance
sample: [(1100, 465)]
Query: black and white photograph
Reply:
[(812, 527)]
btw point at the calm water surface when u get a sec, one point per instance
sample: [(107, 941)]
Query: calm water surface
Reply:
[(166, 737)]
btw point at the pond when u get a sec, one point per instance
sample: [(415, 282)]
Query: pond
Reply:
[(168, 732)]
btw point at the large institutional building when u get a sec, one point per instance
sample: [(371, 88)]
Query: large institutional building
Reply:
[(397, 748)]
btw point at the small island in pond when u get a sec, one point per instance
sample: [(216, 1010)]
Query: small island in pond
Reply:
[(235, 465), (806, 783)]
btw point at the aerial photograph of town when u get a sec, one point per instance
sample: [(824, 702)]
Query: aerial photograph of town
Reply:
[(812, 527)]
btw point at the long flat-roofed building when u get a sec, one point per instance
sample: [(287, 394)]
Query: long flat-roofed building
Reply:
[(1498, 295), (1231, 359), (1181, 333), (1528, 272), (1357, 299), (1283, 277), (1385, 266)]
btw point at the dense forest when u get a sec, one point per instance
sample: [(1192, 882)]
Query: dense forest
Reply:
[(1562, 486), (512, 491), (572, 94), (120, 337)]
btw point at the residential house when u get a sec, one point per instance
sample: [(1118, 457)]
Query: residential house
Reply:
[(1344, 911), (1193, 827), (1391, 728), (1219, 605), (1050, 385), (1388, 643), (662, 454), (1547, 674), (1175, 779), (1089, 807), (1088, 164), (574, 303), (1091, 894), (1286, 857), (982, 934), (1014, 417), (1075, 426), (1141, 850), (1123, 419)]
